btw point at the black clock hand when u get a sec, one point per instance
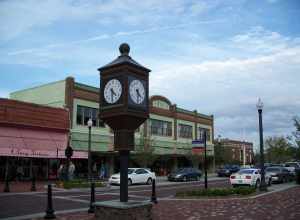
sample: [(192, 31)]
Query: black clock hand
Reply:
[(112, 94), (138, 95)]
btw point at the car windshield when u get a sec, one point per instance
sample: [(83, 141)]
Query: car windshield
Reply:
[(245, 172), (291, 165), (273, 169), (227, 167), (180, 170), (130, 171)]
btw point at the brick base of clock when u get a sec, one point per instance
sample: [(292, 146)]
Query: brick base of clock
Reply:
[(108, 210)]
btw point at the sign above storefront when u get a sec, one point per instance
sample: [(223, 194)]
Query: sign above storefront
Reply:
[(198, 144)]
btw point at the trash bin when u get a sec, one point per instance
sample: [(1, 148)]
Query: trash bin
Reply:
[(297, 172)]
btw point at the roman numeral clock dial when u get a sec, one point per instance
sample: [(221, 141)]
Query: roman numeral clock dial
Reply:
[(112, 91)]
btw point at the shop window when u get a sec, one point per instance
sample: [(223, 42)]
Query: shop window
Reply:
[(200, 134), (185, 131), (79, 118)]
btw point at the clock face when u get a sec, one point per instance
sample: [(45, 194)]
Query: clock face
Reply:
[(112, 91), (137, 91)]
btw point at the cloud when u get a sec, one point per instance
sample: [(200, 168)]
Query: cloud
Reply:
[(260, 40), (229, 88), (4, 93), (108, 36), (19, 17)]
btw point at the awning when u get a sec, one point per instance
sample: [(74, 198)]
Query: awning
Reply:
[(23, 142)]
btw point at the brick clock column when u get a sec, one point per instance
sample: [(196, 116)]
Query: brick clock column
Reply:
[(173, 109), (196, 125), (69, 97)]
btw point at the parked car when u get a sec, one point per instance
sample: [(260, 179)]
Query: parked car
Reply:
[(248, 177), (291, 166), (227, 170), (185, 174), (279, 174), (135, 175)]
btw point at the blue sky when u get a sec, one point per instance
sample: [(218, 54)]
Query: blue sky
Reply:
[(214, 56)]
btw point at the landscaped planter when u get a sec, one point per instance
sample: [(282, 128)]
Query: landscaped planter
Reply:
[(78, 184), (217, 192)]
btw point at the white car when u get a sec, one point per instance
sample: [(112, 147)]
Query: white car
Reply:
[(135, 175), (291, 166), (248, 177)]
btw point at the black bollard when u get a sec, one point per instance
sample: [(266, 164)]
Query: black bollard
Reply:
[(33, 188), (49, 211), (92, 200), (153, 196), (6, 186)]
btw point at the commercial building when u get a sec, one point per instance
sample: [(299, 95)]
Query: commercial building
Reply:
[(163, 142), (32, 135), (235, 151)]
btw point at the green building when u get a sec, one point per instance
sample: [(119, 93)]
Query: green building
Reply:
[(163, 142)]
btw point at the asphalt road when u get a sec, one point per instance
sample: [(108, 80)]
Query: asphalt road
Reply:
[(29, 205)]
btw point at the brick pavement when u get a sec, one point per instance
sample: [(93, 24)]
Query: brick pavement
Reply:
[(284, 205)]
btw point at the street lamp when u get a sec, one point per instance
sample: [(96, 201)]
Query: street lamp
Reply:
[(90, 124), (262, 186), (92, 198)]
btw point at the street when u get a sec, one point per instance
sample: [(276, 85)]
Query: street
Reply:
[(281, 202), (33, 204)]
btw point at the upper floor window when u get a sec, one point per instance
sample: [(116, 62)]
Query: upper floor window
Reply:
[(161, 104), (185, 131), (161, 128), (200, 134), (85, 113)]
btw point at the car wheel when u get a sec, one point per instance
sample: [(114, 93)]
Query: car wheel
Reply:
[(129, 182), (184, 179), (257, 184), (270, 181), (149, 181)]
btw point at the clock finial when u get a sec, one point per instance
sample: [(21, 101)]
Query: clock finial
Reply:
[(124, 49)]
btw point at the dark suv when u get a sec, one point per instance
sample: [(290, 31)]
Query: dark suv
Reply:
[(185, 174), (227, 170)]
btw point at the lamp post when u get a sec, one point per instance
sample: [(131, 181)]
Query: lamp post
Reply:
[(68, 154), (205, 162), (262, 186), (90, 124)]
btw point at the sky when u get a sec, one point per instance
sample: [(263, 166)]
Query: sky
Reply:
[(215, 56)]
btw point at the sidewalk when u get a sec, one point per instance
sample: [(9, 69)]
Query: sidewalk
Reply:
[(23, 186)]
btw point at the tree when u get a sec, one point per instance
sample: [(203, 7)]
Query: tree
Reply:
[(278, 149), (296, 138), (145, 152)]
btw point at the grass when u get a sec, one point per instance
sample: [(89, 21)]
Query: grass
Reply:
[(217, 192), (78, 183)]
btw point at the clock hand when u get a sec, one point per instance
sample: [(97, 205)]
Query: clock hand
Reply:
[(138, 95), (112, 92)]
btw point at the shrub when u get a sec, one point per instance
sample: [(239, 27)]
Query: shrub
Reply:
[(217, 192), (78, 183)]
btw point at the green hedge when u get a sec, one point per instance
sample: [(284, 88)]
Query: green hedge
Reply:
[(79, 184), (217, 192)]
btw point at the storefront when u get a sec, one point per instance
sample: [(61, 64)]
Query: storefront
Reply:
[(33, 138)]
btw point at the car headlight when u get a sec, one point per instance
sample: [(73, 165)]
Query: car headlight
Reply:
[(178, 176), (227, 171)]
